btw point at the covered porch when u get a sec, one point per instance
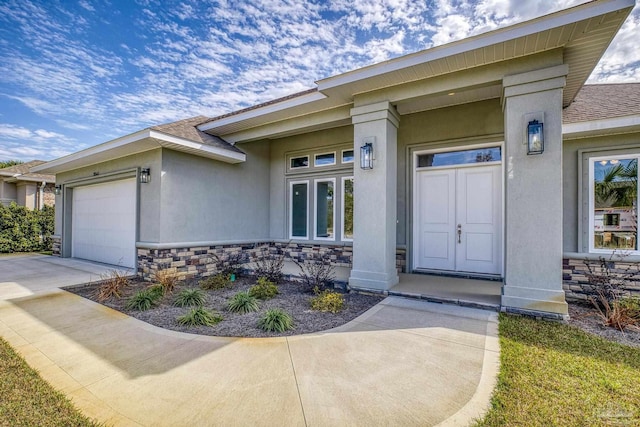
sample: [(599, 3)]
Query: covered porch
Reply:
[(467, 292)]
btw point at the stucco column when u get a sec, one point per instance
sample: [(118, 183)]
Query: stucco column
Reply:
[(533, 193), (374, 216)]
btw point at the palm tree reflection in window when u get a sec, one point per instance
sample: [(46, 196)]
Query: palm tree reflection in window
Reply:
[(615, 200)]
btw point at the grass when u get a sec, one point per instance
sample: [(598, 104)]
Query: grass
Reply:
[(243, 303), (553, 374), (275, 320), (190, 298), (27, 400), (200, 316)]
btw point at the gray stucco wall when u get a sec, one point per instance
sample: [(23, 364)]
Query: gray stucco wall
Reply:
[(454, 126), (447, 127), (327, 140), (207, 200), (149, 228), (573, 182)]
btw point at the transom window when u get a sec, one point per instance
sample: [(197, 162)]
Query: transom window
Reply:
[(325, 159), (299, 162), (450, 158), (613, 201)]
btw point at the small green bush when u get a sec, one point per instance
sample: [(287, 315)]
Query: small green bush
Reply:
[(243, 303), (25, 230), (190, 298), (218, 281), (631, 306), (327, 300), (275, 320), (144, 300), (264, 289), (200, 316)]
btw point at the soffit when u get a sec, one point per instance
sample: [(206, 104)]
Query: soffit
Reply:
[(583, 32)]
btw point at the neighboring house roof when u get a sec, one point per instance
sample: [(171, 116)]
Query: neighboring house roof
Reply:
[(180, 136), (22, 172), (603, 109)]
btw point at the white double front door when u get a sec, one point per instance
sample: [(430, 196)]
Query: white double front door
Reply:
[(458, 219)]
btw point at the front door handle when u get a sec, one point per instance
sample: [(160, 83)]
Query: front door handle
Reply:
[(459, 233)]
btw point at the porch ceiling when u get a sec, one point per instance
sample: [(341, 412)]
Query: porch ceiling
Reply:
[(582, 32)]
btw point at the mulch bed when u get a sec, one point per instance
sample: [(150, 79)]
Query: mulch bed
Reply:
[(290, 298), (585, 317)]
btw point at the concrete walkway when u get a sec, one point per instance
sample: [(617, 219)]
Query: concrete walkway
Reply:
[(404, 362)]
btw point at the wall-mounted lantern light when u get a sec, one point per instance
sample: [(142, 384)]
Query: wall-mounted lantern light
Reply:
[(145, 176), (57, 190), (366, 156), (535, 137)]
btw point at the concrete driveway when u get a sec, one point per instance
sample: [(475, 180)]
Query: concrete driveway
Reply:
[(404, 362), (27, 274)]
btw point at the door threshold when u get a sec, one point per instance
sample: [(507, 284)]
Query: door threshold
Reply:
[(460, 275)]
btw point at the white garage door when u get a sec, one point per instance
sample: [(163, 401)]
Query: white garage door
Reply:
[(104, 222)]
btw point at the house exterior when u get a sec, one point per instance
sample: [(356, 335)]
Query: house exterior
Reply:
[(449, 184), (19, 185)]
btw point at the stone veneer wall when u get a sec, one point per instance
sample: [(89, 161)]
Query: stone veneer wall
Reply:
[(55, 243), (574, 274), (196, 262)]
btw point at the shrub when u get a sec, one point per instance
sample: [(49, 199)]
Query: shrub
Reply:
[(316, 274), (168, 280), (270, 266), (263, 289), (632, 306), (114, 282), (275, 320), (200, 316), (190, 298), (144, 300), (25, 230), (327, 301), (229, 262), (243, 303), (217, 281), (618, 313)]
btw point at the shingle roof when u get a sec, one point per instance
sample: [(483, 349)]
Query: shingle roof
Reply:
[(603, 101), (264, 104), (187, 129), (22, 170)]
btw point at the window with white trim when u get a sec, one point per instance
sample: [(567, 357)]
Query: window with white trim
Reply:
[(613, 201), (299, 209), (324, 159), (347, 208), (324, 209)]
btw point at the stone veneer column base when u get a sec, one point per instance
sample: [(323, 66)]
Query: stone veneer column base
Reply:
[(56, 244)]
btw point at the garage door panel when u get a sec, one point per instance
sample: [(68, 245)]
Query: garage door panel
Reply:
[(104, 222)]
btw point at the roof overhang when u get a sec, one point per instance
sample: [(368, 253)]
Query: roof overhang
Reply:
[(583, 34), (616, 125), (134, 143), (25, 178)]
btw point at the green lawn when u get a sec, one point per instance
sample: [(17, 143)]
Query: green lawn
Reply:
[(553, 374), (27, 400)]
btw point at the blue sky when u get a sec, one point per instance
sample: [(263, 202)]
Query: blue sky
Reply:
[(74, 74)]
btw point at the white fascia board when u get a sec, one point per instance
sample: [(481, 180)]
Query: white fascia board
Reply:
[(97, 149), (221, 154), (267, 109), (544, 23), (601, 127), (160, 137)]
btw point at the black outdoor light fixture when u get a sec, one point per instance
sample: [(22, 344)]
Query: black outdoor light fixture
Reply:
[(535, 137), (57, 190), (145, 176), (366, 155)]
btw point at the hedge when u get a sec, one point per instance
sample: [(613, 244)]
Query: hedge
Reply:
[(24, 230)]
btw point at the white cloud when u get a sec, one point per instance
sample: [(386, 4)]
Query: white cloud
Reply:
[(212, 57)]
